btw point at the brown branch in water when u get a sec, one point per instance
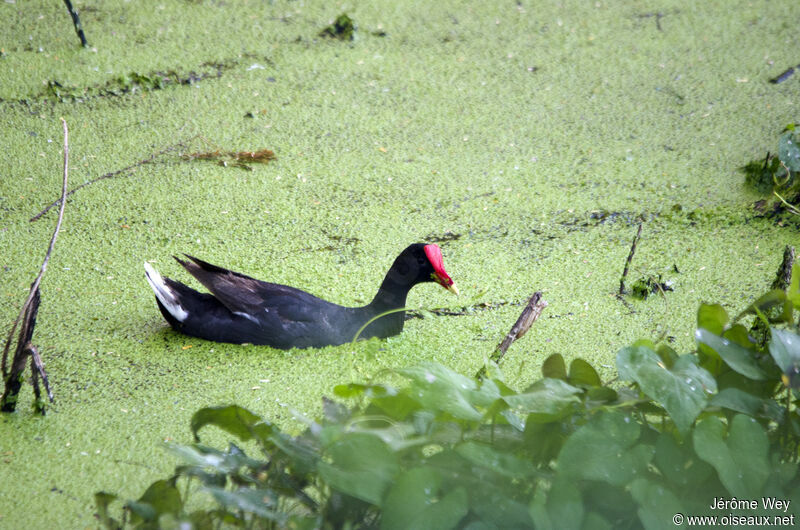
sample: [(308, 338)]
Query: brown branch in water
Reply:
[(27, 315), (526, 319), (149, 160), (628, 261)]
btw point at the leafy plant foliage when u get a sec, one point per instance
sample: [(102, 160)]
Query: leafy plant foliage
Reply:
[(451, 451)]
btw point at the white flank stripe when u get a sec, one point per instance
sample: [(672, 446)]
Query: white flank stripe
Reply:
[(245, 315)]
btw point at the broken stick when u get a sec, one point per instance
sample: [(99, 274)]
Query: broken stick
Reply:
[(13, 378), (526, 319)]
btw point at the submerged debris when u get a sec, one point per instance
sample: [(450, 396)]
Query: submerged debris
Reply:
[(644, 287), (241, 159), (343, 28), (25, 353), (786, 74)]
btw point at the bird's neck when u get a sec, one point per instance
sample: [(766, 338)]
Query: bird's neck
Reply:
[(390, 296)]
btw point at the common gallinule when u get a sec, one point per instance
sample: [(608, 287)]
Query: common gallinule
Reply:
[(241, 309)]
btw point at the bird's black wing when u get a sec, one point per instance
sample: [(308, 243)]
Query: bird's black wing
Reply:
[(243, 294)]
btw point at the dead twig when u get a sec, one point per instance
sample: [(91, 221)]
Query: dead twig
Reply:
[(526, 319), (628, 261), (27, 314), (149, 160)]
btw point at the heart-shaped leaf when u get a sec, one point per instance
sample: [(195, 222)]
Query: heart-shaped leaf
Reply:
[(161, 497), (415, 501), (554, 367), (234, 419), (740, 458), (656, 503), (605, 449), (583, 373), (679, 463), (560, 508), (683, 391), (360, 465), (438, 388), (545, 400), (712, 317)]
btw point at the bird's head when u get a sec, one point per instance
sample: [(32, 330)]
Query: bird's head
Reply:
[(439, 275)]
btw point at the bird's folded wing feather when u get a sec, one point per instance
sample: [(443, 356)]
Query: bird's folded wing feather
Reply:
[(243, 294)]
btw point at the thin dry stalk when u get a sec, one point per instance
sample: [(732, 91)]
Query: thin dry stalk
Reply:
[(150, 159), (29, 309)]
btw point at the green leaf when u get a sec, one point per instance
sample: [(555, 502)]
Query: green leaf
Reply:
[(683, 391), (162, 497), (784, 346), (554, 367), (583, 373), (543, 441), (360, 465), (415, 501), (559, 508), (740, 459), (606, 449), (501, 462), (712, 317), (233, 419), (565, 505), (789, 151), (657, 504), (334, 412), (260, 502), (765, 302), (397, 407), (740, 401), (601, 393), (102, 500), (538, 511), (738, 358), (679, 463), (595, 521), (545, 400), (440, 389), (209, 458), (357, 389), (667, 355)]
